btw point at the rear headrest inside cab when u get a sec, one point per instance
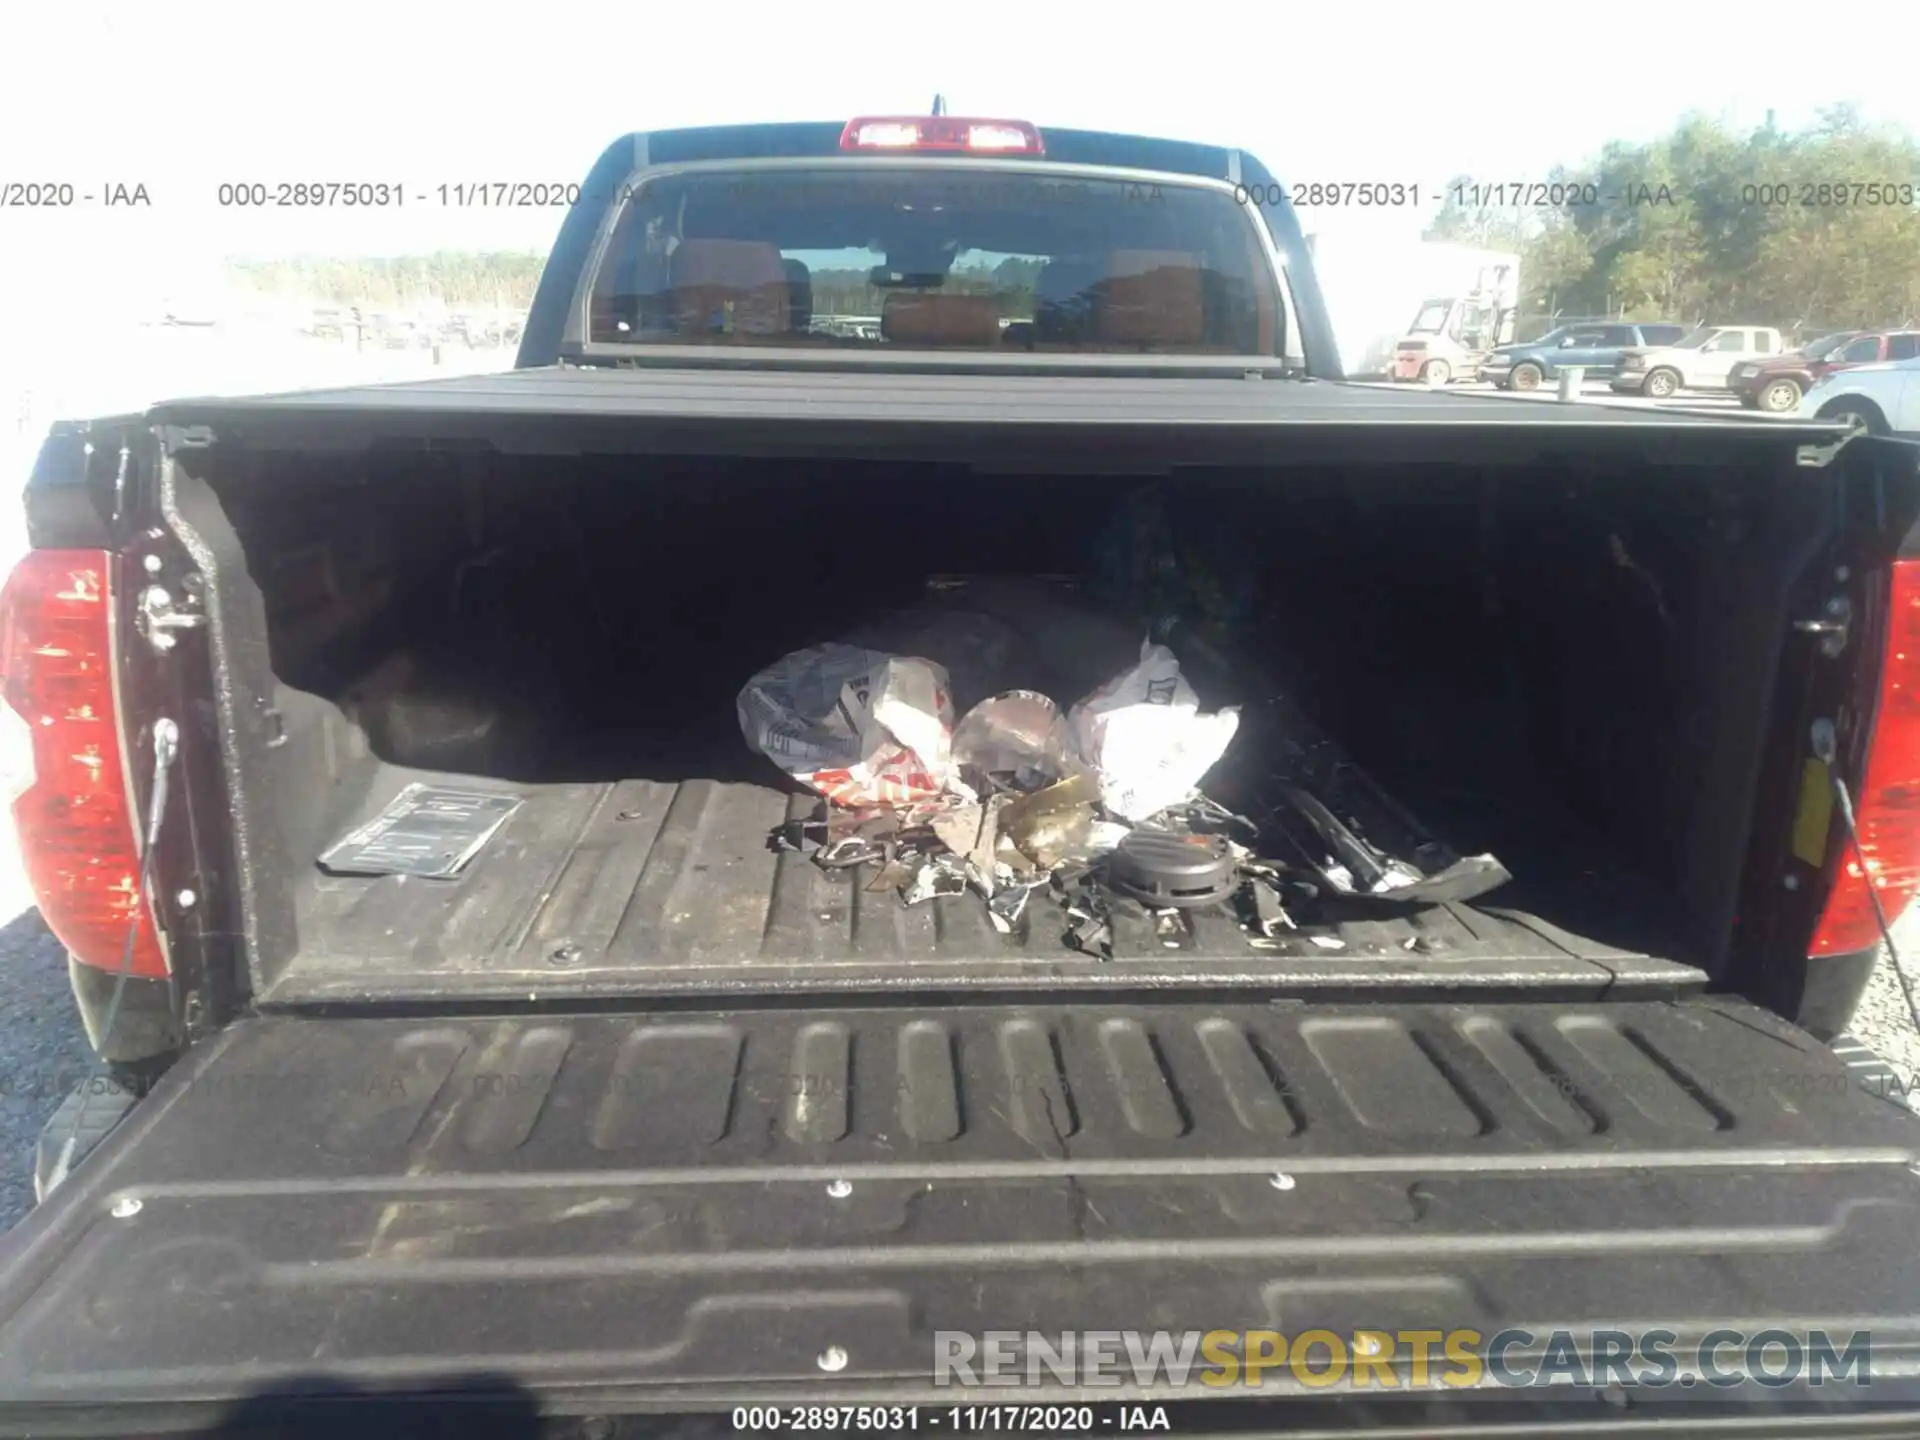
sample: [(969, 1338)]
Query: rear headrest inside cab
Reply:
[(1152, 297), (709, 276)]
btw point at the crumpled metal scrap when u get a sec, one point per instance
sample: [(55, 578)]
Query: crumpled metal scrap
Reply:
[(1005, 845), (1054, 825), (938, 875), (1089, 912), (1009, 902), (973, 830), (852, 852), (1269, 908), (799, 837)]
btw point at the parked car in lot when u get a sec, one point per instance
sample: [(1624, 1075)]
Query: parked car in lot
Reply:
[(327, 322), (1777, 385), (1594, 348), (1551, 324), (1700, 361), (1884, 398)]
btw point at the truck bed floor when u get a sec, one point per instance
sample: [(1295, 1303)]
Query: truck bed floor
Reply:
[(650, 887)]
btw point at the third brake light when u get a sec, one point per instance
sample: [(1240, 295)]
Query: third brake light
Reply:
[(942, 132)]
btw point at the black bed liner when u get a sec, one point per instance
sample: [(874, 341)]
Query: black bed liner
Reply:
[(652, 888), (614, 1209)]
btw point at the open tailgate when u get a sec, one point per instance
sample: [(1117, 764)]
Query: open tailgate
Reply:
[(686, 1208)]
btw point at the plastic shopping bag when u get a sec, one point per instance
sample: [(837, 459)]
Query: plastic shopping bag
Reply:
[(1145, 737), (860, 726), (1021, 735)]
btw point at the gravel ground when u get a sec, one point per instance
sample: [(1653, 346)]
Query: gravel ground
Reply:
[(43, 1052)]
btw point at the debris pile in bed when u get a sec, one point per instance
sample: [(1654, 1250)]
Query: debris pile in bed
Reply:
[(1010, 798), (1100, 805)]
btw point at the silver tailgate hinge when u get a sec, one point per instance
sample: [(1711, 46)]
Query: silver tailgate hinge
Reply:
[(1833, 626), (157, 616)]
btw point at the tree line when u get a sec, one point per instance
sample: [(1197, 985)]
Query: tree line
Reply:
[(506, 280), (1011, 280), (1804, 230), (502, 279)]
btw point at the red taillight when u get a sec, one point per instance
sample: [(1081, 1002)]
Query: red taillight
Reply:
[(1887, 809), (74, 821), (941, 132)]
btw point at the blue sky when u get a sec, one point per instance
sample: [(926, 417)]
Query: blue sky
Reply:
[(181, 96)]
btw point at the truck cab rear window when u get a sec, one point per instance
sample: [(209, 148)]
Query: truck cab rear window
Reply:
[(935, 256)]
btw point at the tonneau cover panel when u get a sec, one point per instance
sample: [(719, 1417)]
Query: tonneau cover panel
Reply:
[(645, 1207)]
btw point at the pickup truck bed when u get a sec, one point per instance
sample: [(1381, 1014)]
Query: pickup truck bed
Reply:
[(628, 1210), (557, 626), (1549, 632), (640, 1114)]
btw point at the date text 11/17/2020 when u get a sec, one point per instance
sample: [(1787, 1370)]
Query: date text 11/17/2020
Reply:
[(1555, 195), (1109, 1418), (394, 194), (1474, 195)]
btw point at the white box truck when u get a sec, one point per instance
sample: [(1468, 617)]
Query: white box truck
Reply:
[(1382, 287), (1462, 318)]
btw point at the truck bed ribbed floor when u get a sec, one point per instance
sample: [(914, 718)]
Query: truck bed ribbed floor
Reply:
[(648, 887)]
